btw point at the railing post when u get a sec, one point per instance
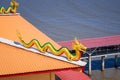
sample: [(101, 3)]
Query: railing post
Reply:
[(89, 61), (116, 61), (102, 63)]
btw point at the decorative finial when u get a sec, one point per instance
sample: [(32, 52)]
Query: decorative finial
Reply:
[(12, 9)]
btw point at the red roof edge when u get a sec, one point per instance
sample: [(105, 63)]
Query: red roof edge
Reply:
[(70, 75)]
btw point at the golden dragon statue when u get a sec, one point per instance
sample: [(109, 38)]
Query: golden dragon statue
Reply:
[(12, 9), (78, 47)]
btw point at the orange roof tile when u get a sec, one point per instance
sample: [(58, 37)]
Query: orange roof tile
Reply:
[(14, 60), (10, 24)]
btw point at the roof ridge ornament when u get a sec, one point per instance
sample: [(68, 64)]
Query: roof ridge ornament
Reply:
[(11, 9), (18, 45), (79, 48)]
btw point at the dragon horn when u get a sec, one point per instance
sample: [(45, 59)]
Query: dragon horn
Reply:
[(13, 0), (76, 40)]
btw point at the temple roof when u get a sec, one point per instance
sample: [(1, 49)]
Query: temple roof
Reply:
[(14, 60)]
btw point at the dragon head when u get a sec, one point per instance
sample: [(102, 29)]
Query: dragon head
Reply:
[(14, 3), (78, 46)]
